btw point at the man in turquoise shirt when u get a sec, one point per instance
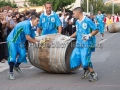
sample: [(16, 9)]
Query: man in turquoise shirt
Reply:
[(49, 21), (16, 43), (100, 22), (85, 44)]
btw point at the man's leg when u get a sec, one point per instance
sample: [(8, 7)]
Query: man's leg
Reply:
[(87, 64), (86, 73), (102, 36), (12, 58), (93, 75), (17, 68), (75, 60), (102, 31), (11, 76), (84, 62), (21, 58)]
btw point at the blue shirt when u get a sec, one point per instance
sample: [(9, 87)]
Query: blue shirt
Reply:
[(49, 24), (100, 18), (19, 32), (86, 26)]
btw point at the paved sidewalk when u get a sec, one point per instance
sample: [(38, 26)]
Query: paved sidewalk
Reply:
[(3, 66)]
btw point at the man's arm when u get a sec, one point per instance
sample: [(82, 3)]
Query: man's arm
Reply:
[(36, 40), (59, 29), (38, 30), (39, 25), (58, 24), (31, 39), (73, 35), (94, 32)]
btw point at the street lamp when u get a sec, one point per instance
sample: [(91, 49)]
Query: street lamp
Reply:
[(87, 6), (112, 7)]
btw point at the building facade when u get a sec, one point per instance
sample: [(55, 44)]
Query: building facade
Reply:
[(20, 3)]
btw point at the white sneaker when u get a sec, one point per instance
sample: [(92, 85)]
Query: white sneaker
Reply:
[(11, 76), (102, 38)]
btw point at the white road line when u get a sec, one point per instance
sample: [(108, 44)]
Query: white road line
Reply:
[(107, 38)]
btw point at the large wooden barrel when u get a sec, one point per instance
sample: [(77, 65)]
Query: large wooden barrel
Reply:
[(114, 27), (54, 56)]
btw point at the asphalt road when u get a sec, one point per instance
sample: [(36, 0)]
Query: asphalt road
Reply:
[(106, 62)]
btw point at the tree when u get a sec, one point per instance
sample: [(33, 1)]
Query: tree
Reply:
[(25, 5), (109, 9), (8, 3), (57, 4), (100, 6), (96, 4), (13, 4)]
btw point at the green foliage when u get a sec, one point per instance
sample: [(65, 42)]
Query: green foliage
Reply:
[(57, 4), (116, 9), (98, 5), (7, 3), (25, 5)]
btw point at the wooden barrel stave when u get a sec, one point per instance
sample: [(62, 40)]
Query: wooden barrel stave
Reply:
[(43, 59), (32, 56), (54, 57), (63, 66), (57, 57)]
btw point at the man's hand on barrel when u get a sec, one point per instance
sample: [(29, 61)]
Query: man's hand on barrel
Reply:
[(67, 38), (37, 44), (86, 36), (37, 34), (41, 43)]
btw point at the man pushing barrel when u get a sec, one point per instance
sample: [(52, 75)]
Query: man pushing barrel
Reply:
[(16, 43), (85, 44)]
